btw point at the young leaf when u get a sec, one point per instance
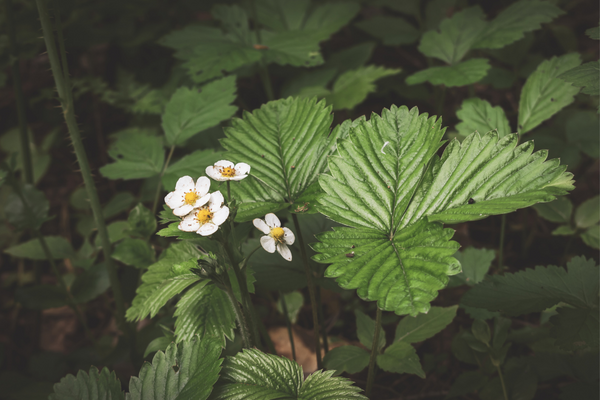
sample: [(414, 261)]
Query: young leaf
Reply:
[(59, 248), (95, 385), (365, 330), (204, 310), (255, 375), (424, 326), (460, 74), (191, 111), (585, 76), (137, 154), (455, 37), (514, 21), (401, 358), (558, 211), (543, 95), (479, 115), (393, 31), (350, 359)]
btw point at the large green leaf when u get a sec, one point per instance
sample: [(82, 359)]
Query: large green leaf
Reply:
[(543, 95), (286, 143), (424, 326), (255, 375), (585, 76), (95, 385), (204, 310), (191, 111), (455, 37), (460, 74), (479, 115), (388, 185), (393, 31), (514, 21)]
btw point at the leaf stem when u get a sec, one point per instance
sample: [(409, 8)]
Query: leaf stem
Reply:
[(501, 249), (288, 323), (312, 289), (66, 99), (159, 184), (374, 354), (502, 382)]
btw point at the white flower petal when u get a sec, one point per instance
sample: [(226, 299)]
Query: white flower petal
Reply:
[(216, 201), (183, 210), (268, 243), (214, 173), (272, 220), (288, 236), (184, 183), (202, 201), (242, 169), (189, 224), (174, 200), (285, 251), (261, 226), (237, 178), (207, 229), (224, 164), (202, 186), (220, 216)]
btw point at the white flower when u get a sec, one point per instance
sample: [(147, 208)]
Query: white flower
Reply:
[(225, 171), (206, 220), (277, 237), (188, 195)]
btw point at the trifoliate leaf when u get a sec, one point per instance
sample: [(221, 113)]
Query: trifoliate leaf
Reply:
[(204, 310), (252, 374), (365, 330), (558, 211), (588, 213), (455, 36), (585, 76), (461, 74), (475, 264), (137, 154), (193, 164), (543, 95), (59, 248), (393, 31), (185, 371), (95, 385), (479, 115), (575, 328), (352, 87), (191, 111), (350, 359), (514, 21), (424, 326), (401, 358)]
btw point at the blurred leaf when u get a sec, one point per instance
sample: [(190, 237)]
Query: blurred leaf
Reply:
[(351, 57), (588, 213), (479, 313), (365, 330), (584, 76), (436, 11), (499, 78), (475, 264), (564, 230), (59, 247), (158, 344), (350, 359), (579, 390), (401, 358), (119, 203), (593, 33), (423, 326), (581, 130), (301, 83), (481, 331), (190, 111), (193, 165), (409, 7), (141, 221), (393, 31), (295, 48), (90, 284), (591, 237), (294, 302), (576, 329), (558, 211), (95, 385), (479, 115), (466, 383), (134, 252), (79, 199), (41, 297), (461, 74), (116, 231), (30, 215)]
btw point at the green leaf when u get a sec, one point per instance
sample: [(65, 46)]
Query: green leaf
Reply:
[(475, 264), (193, 164), (350, 359), (293, 303), (167, 277), (520, 382), (534, 290), (588, 213), (90, 284), (204, 310), (514, 21), (141, 221), (95, 385), (134, 252), (116, 205), (479, 115), (286, 143), (455, 36), (295, 48), (137, 154), (466, 383), (352, 87), (190, 111), (591, 237), (350, 58), (392, 31), (160, 343), (461, 74), (576, 329), (30, 215), (424, 326), (255, 375), (185, 371), (584, 76), (564, 230), (581, 130), (365, 330), (41, 297), (481, 331), (593, 33), (558, 211), (401, 358), (543, 95), (59, 247)]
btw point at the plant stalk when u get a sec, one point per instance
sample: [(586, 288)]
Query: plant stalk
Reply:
[(374, 354), (288, 323), (322, 324), (159, 184), (501, 249), (312, 290), (66, 99), (502, 382)]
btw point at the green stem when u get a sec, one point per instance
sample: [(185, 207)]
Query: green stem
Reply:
[(501, 249), (288, 324), (374, 353), (229, 196), (241, 318), (312, 290), (502, 382), (66, 99), (20, 99), (159, 184)]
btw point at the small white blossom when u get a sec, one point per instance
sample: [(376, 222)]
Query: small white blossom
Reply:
[(225, 171), (188, 196), (206, 220), (276, 236)]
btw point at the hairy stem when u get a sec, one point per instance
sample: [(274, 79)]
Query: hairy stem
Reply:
[(312, 290), (241, 318), (374, 354), (288, 323), (159, 184)]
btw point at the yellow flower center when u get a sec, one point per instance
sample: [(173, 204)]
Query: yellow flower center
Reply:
[(190, 198), (277, 234), (228, 172), (204, 215)]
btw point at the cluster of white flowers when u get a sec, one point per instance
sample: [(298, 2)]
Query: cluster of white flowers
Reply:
[(203, 212)]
